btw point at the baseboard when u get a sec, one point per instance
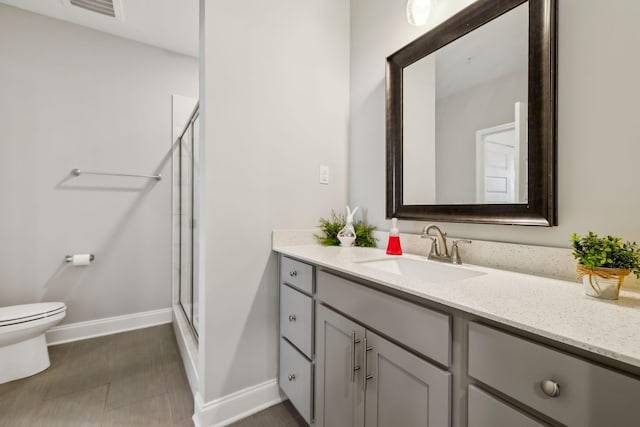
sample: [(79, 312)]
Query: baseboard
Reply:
[(238, 405), (110, 325), (188, 348)]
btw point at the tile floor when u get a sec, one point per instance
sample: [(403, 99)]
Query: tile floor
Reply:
[(281, 415), (130, 379)]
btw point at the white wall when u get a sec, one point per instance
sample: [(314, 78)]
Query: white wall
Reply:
[(459, 116), (419, 132), (76, 98), (597, 93), (274, 106)]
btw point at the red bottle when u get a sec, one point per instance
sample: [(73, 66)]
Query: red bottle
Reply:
[(393, 246)]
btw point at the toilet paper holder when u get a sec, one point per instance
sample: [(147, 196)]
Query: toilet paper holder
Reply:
[(69, 258)]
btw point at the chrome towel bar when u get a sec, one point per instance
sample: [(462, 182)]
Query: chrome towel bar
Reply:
[(78, 172), (69, 258)]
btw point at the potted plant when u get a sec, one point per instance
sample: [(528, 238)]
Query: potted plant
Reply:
[(332, 226), (604, 262)]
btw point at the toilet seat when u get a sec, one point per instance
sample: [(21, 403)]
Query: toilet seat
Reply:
[(16, 314)]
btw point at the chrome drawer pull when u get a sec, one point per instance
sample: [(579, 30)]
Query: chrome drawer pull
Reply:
[(354, 367), (367, 377), (550, 388), (292, 377), (292, 318), (293, 273)]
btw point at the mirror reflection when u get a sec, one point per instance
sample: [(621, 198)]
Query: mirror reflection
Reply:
[(465, 118)]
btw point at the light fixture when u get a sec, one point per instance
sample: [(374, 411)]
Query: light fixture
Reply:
[(418, 11)]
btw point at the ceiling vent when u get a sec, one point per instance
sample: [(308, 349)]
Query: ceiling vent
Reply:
[(104, 7)]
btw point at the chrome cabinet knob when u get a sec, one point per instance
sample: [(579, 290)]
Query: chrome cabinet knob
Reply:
[(292, 377), (292, 318), (550, 388), (293, 273)]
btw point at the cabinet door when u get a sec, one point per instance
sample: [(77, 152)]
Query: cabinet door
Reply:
[(339, 396), (403, 389)]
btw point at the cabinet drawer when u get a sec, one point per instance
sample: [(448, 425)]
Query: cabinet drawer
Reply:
[(487, 411), (424, 330), (295, 377), (296, 319), (589, 395), (297, 274)]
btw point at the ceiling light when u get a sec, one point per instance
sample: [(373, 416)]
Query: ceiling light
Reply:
[(418, 11)]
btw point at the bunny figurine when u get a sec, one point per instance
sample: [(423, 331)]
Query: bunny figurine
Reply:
[(347, 235)]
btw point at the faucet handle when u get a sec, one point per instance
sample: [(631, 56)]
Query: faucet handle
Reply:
[(434, 245), (456, 241), (455, 255)]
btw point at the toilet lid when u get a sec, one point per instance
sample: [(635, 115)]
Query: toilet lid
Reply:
[(28, 312)]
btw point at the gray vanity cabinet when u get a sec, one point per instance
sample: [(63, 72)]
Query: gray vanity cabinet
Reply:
[(352, 355), (364, 379), (296, 361)]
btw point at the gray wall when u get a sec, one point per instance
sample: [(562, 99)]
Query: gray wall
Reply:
[(598, 147), (76, 98), (274, 106)]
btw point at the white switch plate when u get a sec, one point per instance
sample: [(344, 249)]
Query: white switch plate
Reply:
[(324, 174)]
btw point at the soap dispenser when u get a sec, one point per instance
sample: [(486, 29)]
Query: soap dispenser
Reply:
[(393, 246), (347, 235)]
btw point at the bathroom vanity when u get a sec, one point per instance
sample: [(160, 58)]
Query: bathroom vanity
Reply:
[(363, 346)]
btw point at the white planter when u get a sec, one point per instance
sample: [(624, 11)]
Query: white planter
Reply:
[(604, 283)]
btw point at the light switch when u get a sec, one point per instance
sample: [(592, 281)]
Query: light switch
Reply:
[(324, 174)]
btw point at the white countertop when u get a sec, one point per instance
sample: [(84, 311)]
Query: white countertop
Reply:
[(555, 309)]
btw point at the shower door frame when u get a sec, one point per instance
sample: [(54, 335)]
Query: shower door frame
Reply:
[(193, 236)]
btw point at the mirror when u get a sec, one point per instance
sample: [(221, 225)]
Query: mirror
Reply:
[(471, 118)]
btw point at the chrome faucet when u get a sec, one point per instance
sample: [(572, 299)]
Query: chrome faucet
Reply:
[(439, 241), (439, 250)]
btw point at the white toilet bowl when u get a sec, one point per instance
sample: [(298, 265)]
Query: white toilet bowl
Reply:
[(23, 347)]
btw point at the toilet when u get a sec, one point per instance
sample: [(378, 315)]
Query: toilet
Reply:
[(23, 347)]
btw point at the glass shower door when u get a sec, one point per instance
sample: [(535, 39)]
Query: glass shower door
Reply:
[(194, 236), (188, 208)]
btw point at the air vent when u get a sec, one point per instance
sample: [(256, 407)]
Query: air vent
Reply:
[(104, 7)]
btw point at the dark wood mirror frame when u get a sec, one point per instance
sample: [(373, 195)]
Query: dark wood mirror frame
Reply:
[(541, 208)]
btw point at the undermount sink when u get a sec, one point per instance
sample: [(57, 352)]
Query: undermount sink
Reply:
[(424, 270)]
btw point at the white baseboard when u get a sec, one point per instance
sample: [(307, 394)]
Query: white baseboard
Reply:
[(188, 347), (107, 326), (238, 405)]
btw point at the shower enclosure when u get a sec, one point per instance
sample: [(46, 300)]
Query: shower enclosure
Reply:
[(187, 189)]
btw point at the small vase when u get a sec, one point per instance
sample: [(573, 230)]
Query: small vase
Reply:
[(602, 283)]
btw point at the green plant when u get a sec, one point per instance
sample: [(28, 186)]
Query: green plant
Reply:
[(606, 252), (336, 222), (364, 238), (330, 227)]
